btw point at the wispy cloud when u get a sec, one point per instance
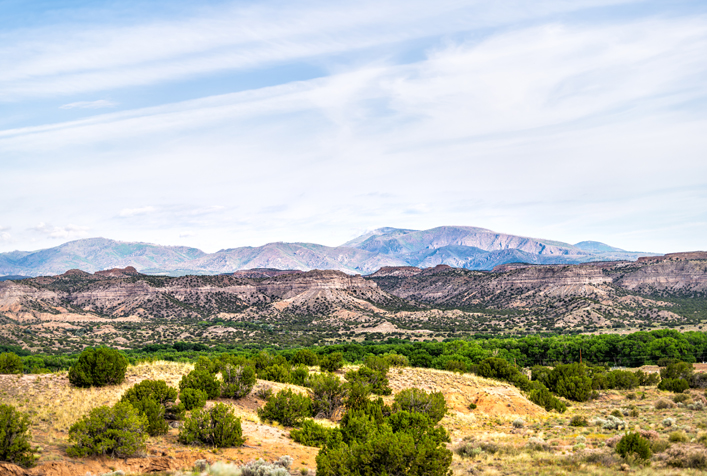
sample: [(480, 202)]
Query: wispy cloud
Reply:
[(131, 212), (549, 126), (69, 61), (100, 104), (64, 232)]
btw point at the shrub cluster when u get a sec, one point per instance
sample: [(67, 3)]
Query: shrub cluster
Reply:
[(117, 431), (98, 368), (377, 439), (315, 434), (15, 437), (327, 394), (287, 408), (153, 399), (191, 398), (10, 363), (331, 362), (633, 445), (217, 427)]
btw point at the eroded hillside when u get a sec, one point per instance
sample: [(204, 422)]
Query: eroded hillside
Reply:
[(124, 308)]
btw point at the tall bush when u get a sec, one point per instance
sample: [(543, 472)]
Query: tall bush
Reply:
[(201, 380), (331, 362), (238, 380), (217, 427), (118, 431), (10, 363), (415, 400), (98, 368), (571, 381), (15, 437), (286, 407), (327, 393)]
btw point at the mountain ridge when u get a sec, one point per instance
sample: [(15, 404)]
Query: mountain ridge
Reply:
[(459, 246)]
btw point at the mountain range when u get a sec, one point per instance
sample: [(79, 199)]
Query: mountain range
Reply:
[(457, 246)]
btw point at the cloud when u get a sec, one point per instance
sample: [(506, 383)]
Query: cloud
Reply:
[(130, 212), (66, 60), (100, 104), (56, 232)]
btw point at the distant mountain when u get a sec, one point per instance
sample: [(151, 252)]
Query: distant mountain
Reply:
[(458, 246), (92, 255)]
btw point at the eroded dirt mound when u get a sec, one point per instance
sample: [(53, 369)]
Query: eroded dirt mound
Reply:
[(490, 396)]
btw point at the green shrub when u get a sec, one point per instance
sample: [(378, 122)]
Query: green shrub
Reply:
[(298, 375), (541, 396), (118, 431), (155, 400), (540, 373), (571, 381), (201, 380), (678, 437), (406, 443), (622, 380), (676, 385), (327, 393), (379, 364), (646, 379), (472, 406), (677, 370), (157, 390), (192, 398), (10, 363), (617, 413), (415, 400), (454, 365), (286, 407), (238, 380), (331, 362), (207, 365), (15, 437), (305, 357), (357, 395), (276, 373), (217, 427), (579, 420), (501, 369), (633, 445), (377, 381), (396, 360), (314, 434), (155, 415), (98, 368)]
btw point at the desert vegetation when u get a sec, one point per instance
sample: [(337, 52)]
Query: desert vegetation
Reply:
[(491, 415)]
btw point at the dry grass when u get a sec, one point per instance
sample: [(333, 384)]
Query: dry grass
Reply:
[(544, 445)]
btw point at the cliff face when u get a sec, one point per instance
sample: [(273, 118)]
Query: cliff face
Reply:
[(257, 306), (681, 276)]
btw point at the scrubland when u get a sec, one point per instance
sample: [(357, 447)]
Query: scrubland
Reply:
[(504, 434)]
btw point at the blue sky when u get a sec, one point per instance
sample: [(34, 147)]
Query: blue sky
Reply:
[(224, 124)]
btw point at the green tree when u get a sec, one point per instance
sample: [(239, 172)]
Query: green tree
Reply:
[(98, 368)]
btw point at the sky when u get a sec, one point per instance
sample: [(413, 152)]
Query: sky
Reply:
[(219, 124)]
